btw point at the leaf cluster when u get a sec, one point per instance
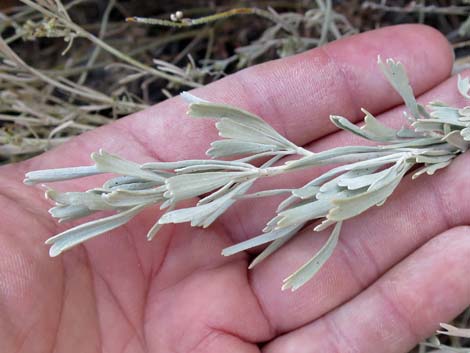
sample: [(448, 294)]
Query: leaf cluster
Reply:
[(252, 149)]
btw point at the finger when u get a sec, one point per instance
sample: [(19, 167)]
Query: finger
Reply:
[(295, 94), (402, 308), (369, 244)]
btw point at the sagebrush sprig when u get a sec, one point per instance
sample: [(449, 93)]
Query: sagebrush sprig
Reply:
[(366, 177)]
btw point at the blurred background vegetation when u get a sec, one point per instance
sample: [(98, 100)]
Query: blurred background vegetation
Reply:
[(68, 67)]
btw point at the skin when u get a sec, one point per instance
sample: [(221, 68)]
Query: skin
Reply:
[(397, 272)]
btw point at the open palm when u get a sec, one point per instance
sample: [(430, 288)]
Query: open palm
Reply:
[(397, 272)]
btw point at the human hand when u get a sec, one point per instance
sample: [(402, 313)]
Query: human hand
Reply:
[(397, 271)]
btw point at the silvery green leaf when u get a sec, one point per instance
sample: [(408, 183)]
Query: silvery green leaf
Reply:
[(428, 126), (59, 174), (121, 180), (328, 189), (344, 180), (211, 167), (463, 86), (130, 198), (442, 120), (272, 223), (306, 191), (137, 186), (377, 128), (444, 113), (437, 150), (108, 163), (221, 111), (345, 124), (167, 203), (434, 159), (247, 122), (69, 212), (157, 226), (216, 194), (83, 232), (420, 142), (184, 186), (240, 131), (228, 201), (396, 75), (207, 219), (271, 248), (337, 155), (388, 176), (423, 112), (361, 180), (335, 192), (367, 165), (266, 154), (455, 139), (228, 148), (286, 203), (431, 105), (260, 240), (274, 159), (346, 208), (433, 168), (125, 182), (204, 215), (90, 199), (265, 193), (303, 213), (364, 157), (154, 230), (406, 132), (320, 187), (326, 223), (419, 172), (310, 268), (161, 166), (430, 169), (358, 181)]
